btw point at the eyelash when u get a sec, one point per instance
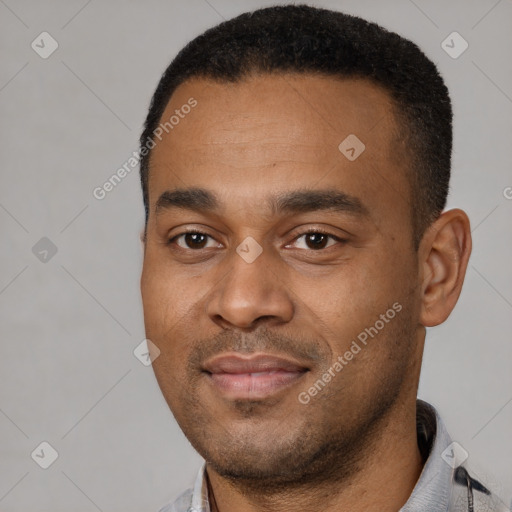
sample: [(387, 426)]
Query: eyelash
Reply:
[(299, 235)]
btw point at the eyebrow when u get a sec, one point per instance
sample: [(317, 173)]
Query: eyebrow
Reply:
[(296, 201)]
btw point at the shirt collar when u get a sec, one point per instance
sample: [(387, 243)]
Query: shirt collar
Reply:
[(200, 502), (434, 487)]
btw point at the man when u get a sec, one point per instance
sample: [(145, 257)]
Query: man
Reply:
[(295, 167)]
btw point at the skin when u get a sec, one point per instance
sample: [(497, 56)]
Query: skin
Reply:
[(353, 446)]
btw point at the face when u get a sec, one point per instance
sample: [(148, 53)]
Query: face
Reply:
[(287, 321)]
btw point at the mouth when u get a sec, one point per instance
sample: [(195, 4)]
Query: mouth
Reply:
[(254, 377)]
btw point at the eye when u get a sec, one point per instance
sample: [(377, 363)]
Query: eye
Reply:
[(193, 240), (316, 240)]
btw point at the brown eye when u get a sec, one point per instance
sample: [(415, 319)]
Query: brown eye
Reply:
[(316, 240), (192, 240), (195, 240)]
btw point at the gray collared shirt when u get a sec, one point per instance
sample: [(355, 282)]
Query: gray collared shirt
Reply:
[(445, 484)]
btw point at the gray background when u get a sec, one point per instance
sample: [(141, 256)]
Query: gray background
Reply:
[(70, 324)]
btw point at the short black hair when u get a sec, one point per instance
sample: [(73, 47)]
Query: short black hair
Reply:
[(310, 40)]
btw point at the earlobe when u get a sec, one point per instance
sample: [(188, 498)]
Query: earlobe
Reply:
[(444, 253)]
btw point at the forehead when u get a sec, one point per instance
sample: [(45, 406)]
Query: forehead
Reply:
[(278, 132)]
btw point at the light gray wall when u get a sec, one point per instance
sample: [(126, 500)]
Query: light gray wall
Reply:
[(69, 325)]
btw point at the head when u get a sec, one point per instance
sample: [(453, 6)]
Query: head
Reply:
[(308, 151)]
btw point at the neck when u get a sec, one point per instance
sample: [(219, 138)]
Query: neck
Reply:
[(385, 478)]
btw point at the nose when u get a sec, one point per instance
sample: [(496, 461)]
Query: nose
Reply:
[(250, 294)]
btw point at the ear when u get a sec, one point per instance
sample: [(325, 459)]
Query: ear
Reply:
[(444, 254)]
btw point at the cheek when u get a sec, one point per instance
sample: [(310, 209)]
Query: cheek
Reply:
[(351, 298), (165, 298), (164, 306), (173, 297), (167, 310)]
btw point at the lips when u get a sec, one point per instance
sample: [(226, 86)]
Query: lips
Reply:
[(253, 377), (232, 363)]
